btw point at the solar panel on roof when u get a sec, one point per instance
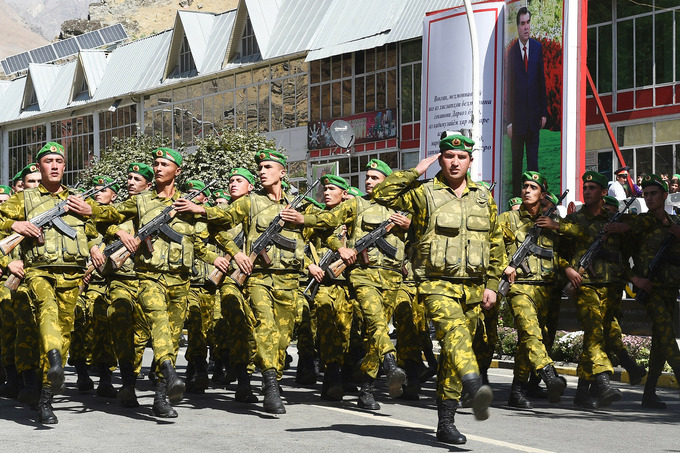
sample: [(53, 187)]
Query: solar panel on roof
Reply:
[(66, 47), (5, 66), (90, 40), (18, 62), (113, 33), (43, 54)]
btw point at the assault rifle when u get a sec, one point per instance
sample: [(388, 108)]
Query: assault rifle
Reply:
[(659, 257), (272, 235), (118, 253), (313, 284), (529, 247), (586, 261), (216, 276), (50, 218), (375, 238)]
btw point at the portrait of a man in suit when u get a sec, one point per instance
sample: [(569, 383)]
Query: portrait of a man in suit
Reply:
[(527, 109)]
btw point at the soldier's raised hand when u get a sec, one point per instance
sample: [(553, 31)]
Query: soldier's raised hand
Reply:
[(424, 164)]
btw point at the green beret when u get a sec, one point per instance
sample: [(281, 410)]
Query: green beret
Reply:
[(50, 148), (221, 194), (17, 176), (142, 169), (244, 173), (28, 169), (168, 153), (514, 202), (654, 180), (456, 142), (378, 165), (103, 180), (195, 184), (5, 190), (676, 176), (612, 201), (315, 203), (335, 180), (356, 192), (551, 197), (270, 154), (593, 176), (536, 177)]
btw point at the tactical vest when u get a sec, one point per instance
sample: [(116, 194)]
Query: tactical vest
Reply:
[(201, 269), (541, 269), (167, 256), (58, 249), (369, 216), (668, 272), (456, 242), (262, 213)]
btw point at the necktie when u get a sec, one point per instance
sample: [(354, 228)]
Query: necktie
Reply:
[(526, 62)]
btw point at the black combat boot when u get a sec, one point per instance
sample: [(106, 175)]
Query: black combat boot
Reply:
[(218, 372), (605, 393), (56, 372), (30, 394), (649, 398), (272, 397), (105, 388), (446, 430), (332, 389), (199, 381), (412, 386), (84, 382), (554, 383), (45, 412), (126, 394), (396, 377), (152, 376), (635, 372), (534, 389), (305, 374), (583, 398), (518, 396), (10, 389), (366, 399), (244, 391), (348, 384), (174, 385), (161, 406), (482, 395)]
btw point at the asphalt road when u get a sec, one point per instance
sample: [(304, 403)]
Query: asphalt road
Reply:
[(215, 422)]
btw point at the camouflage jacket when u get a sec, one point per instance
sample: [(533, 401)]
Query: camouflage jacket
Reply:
[(668, 272)]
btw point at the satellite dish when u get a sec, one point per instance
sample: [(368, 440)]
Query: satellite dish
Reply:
[(342, 134)]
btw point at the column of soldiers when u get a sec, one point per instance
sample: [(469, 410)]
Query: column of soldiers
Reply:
[(239, 275)]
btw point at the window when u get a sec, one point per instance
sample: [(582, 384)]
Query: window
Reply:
[(77, 136), (24, 144), (185, 61), (410, 69), (118, 124), (248, 42)]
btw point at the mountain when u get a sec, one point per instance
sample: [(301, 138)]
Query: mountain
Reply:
[(17, 35)]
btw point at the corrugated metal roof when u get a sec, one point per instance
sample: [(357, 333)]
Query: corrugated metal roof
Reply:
[(197, 28), (11, 99), (264, 17), (61, 92), (41, 79), (410, 22), (4, 84), (93, 65), (296, 27), (217, 44)]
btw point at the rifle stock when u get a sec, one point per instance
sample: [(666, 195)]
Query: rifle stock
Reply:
[(217, 276), (7, 244), (12, 282)]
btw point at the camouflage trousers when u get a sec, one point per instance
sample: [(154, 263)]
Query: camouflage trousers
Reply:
[(82, 337), (98, 339), (334, 322), (455, 323), (373, 302), (409, 321), (127, 320), (27, 342), (660, 306), (273, 298), (219, 346), (199, 322), (486, 336), (307, 327), (240, 323), (55, 293), (163, 299), (596, 307), (8, 326), (530, 305)]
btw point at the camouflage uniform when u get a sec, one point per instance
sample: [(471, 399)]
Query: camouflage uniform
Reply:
[(451, 263)]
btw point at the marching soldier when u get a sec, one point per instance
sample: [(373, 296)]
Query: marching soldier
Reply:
[(54, 266), (661, 287), (458, 263), (163, 269)]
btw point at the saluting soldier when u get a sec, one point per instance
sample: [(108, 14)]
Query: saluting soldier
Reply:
[(458, 262), (55, 265), (530, 292), (661, 287), (163, 270)]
